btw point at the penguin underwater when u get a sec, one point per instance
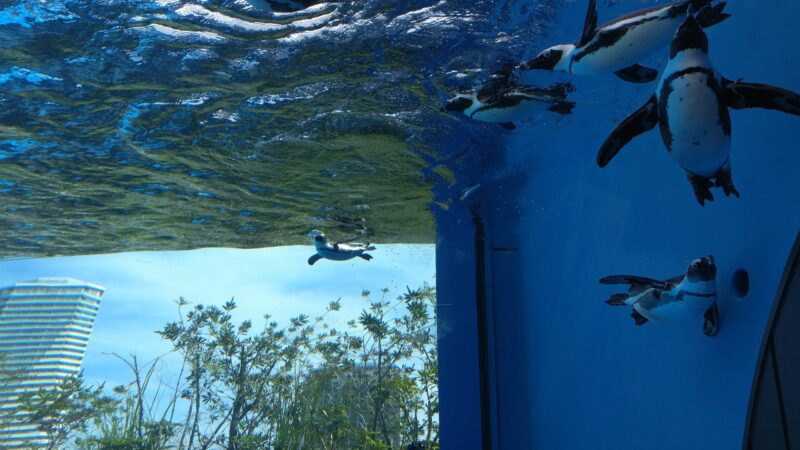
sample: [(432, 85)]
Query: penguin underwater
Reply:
[(683, 296), (618, 46), (503, 101), (690, 105), (337, 251)]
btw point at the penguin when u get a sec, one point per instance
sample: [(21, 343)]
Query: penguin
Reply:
[(690, 105), (338, 251), (680, 297), (618, 46), (504, 102)]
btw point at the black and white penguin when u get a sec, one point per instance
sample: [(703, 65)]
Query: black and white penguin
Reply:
[(691, 107), (618, 46), (505, 102), (338, 251), (682, 297)]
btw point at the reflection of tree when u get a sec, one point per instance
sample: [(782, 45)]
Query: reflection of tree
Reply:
[(306, 386)]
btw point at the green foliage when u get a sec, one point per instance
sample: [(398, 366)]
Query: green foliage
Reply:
[(66, 410), (372, 386)]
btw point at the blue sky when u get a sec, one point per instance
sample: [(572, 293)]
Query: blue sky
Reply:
[(141, 289)]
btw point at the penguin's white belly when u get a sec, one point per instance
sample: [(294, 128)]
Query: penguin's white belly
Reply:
[(698, 140), (336, 256), (525, 109), (669, 307), (637, 44)]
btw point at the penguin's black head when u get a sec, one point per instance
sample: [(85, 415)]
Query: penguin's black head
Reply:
[(317, 235), (459, 104), (702, 269), (689, 35), (546, 60)]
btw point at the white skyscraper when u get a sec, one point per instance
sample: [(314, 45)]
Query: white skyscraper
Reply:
[(45, 326)]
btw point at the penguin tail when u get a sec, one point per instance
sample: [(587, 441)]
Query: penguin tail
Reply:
[(366, 256), (708, 16), (617, 299), (370, 247)]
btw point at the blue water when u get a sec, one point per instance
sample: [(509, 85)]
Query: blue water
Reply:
[(569, 371)]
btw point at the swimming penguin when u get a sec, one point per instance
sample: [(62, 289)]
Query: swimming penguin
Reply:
[(338, 251), (621, 44), (505, 104), (680, 297), (691, 105)]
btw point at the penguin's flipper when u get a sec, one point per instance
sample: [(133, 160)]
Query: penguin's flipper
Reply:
[(562, 107), (314, 258), (508, 125), (644, 119), (633, 280), (637, 73), (701, 187), (617, 299), (740, 95), (589, 24), (712, 323), (638, 318), (709, 16), (366, 256)]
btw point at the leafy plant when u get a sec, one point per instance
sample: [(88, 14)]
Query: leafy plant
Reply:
[(303, 386)]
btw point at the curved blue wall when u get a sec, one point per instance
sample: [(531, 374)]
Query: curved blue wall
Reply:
[(567, 371)]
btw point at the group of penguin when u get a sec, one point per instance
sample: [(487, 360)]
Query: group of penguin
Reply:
[(690, 105)]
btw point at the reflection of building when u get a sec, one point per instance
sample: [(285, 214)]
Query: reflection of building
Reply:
[(45, 326)]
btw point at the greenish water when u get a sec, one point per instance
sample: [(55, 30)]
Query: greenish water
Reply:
[(165, 125)]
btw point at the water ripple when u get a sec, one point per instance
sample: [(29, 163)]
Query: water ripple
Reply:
[(255, 120)]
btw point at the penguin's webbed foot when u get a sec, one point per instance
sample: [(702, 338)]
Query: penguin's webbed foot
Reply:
[(726, 183), (724, 180), (562, 107), (712, 322), (617, 299), (702, 188), (709, 16), (638, 318)]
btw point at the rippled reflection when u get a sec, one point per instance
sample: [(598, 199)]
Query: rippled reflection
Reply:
[(155, 124)]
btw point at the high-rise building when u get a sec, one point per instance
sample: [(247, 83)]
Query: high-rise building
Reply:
[(45, 326)]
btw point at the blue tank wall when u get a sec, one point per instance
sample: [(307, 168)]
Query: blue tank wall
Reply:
[(568, 371)]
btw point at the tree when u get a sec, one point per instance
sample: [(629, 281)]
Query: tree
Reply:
[(308, 386), (135, 422), (375, 386), (235, 374), (66, 410)]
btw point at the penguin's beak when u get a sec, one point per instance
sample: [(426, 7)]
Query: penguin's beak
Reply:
[(545, 60)]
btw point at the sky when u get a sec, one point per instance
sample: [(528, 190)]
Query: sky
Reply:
[(142, 287)]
